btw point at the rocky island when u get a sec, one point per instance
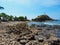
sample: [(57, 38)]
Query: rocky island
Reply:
[(43, 18)]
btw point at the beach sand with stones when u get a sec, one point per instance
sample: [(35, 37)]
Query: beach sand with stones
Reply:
[(27, 35)]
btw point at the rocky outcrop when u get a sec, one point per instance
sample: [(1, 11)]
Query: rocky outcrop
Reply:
[(42, 18)]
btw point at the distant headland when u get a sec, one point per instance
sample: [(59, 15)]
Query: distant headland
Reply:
[(43, 18)]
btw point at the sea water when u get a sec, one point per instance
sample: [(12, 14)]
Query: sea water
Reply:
[(47, 22)]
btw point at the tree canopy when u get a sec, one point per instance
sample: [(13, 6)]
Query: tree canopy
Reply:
[(10, 17)]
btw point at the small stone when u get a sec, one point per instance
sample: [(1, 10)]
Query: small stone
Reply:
[(23, 42)]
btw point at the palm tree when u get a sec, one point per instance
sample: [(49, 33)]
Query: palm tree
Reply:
[(1, 9)]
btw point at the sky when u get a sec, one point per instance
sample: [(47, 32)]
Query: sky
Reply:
[(31, 8)]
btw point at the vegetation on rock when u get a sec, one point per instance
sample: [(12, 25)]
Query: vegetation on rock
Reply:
[(42, 18)]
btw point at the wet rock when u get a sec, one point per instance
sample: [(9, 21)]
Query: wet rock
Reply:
[(33, 43), (32, 38), (18, 39), (24, 35), (56, 42), (40, 38), (56, 26), (23, 42)]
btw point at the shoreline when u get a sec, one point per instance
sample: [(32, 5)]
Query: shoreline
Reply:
[(32, 34)]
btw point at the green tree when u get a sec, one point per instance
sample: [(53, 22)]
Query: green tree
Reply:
[(10, 18), (5, 16), (25, 18), (16, 18), (21, 18), (1, 9)]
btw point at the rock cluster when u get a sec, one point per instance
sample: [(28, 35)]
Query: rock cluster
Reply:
[(22, 34)]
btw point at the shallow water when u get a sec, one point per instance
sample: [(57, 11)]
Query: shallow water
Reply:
[(53, 22), (48, 23), (36, 23)]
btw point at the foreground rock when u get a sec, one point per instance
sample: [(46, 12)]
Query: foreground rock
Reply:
[(22, 34)]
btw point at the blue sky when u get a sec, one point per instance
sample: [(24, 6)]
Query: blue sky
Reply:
[(31, 8)]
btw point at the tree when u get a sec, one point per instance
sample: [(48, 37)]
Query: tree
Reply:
[(25, 18), (3, 16), (10, 18), (1, 9), (6, 17), (16, 18), (21, 18)]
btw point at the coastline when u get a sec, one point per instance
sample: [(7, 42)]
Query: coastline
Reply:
[(44, 33)]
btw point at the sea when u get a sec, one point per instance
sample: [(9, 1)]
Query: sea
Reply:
[(56, 22)]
